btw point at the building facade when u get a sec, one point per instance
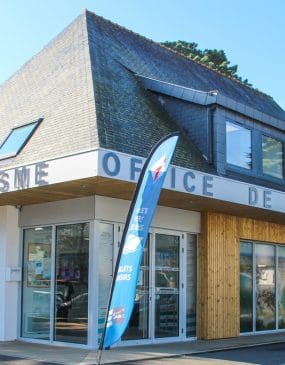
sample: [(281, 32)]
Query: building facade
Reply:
[(77, 122)]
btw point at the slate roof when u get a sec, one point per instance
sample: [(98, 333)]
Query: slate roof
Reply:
[(127, 118), (84, 84), (55, 84), (150, 59)]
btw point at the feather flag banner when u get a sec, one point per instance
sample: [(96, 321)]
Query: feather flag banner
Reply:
[(134, 237)]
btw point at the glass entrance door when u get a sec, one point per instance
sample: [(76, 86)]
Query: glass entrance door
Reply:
[(167, 284), (138, 327), (156, 312)]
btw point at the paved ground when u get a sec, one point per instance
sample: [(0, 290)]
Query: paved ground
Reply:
[(8, 360), (261, 355), (273, 354), (238, 350), (264, 355)]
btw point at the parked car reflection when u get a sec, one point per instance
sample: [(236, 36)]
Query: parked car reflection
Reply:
[(73, 310)]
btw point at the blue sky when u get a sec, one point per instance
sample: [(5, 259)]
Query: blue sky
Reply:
[(251, 32)]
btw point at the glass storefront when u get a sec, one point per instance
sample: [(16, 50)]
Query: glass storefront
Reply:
[(55, 283), (56, 289), (262, 291), (165, 302)]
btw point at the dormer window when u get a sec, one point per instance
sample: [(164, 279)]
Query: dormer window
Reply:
[(17, 138), (255, 151), (272, 157), (238, 142)]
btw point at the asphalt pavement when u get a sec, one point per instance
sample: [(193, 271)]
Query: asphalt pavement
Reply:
[(266, 349), (10, 360), (273, 354)]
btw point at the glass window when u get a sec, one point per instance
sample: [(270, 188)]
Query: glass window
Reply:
[(262, 287), (272, 157), (191, 280), (70, 300), (265, 287), (238, 143), (281, 287), (138, 327), (71, 289), (246, 287), (106, 247), (36, 286), (16, 139), (167, 268)]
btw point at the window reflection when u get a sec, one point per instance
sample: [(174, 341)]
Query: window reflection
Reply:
[(16, 139), (246, 287), (105, 270), (281, 286), (238, 143), (191, 280), (265, 287), (71, 290), (36, 286), (272, 157), (138, 327), (167, 268)]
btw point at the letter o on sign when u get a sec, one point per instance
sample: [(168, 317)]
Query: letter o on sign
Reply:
[(111, 164)]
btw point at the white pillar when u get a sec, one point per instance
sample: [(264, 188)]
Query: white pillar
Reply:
[(10, 273)]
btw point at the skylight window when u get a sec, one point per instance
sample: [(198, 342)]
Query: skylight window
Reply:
[(17, 139)]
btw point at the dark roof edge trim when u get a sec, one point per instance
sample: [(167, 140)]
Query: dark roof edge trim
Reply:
[(208, 98), (179, 92)]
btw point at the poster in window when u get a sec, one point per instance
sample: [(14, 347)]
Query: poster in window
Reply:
[(39, 263)]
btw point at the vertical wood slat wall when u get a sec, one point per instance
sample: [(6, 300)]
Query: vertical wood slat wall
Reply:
[(218, 270)]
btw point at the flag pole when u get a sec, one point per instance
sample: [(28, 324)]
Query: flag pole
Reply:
[(124, 235)]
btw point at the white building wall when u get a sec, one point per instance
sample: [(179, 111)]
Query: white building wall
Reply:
[(10, 273), (104, 209), (116, 210), (64, 211)]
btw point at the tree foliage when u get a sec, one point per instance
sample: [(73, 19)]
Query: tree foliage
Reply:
[(213, 58)]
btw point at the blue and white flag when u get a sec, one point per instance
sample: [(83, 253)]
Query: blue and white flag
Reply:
[(135, 234)]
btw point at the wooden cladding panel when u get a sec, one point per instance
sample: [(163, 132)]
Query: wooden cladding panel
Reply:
[(218, 268), (218, 274), (251, 229)]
